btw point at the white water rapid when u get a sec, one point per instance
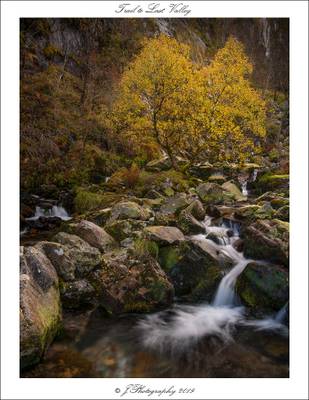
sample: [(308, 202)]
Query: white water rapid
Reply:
[(55, 211), (184, 325)]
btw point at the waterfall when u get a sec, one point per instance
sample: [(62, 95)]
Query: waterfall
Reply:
[(178, 328), (266, 36), (254, 175), (55, 211), (225, 295), (244, 188), (281, 314)]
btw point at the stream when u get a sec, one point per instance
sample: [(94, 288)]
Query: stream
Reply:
[(216, 339)]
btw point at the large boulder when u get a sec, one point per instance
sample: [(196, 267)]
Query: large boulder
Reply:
[(267, 240), (78, 294), (212, 193), (234, 191), (196, 274), (263, 287), (129, 283), (189, 220), (95, 236), (129, 210), (125, 228), (40, 309), (171, 207), (164, 235), (83, 256), (268, 181)]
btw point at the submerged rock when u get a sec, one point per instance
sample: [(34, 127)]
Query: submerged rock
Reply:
[(40, 309), (267, 240), (263, 286)]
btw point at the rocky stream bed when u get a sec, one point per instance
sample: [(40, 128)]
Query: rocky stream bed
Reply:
[(171, 282)]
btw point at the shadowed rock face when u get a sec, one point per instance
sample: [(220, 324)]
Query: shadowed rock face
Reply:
[(40, 310)]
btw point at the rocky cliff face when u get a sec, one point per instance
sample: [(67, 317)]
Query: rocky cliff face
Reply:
[(66, 41)]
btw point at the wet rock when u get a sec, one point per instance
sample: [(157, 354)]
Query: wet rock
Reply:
[(263, 287), (84, 256), (95, 236), (44, 223), (128, 283), (267, 240), (164, 235), (40, 310), (197, 274), (77, 294), (214, 211), (239, 245)]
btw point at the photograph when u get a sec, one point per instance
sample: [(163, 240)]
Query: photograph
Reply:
[(154, 198)]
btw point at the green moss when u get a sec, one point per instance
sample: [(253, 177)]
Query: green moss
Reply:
[(158, 291), (169, 256), (88, 201), (144, 247)]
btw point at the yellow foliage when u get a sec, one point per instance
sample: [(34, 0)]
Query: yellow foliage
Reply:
[(163, 98)]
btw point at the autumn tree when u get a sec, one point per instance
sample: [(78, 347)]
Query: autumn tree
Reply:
[(156, 97), (232, 118)]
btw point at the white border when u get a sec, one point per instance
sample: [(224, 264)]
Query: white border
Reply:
[(293, 388)]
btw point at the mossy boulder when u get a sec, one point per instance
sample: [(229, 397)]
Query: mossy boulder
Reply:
[(234, 191), (196, 274), (188, 223), (168, 256), (263, 287), (83, 256), (78, 294), (129, 210), (170, 209), (272, 182), (212, 193), (126, 228), (267, 240), (86, 201), (40, 308), (126, 282)]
